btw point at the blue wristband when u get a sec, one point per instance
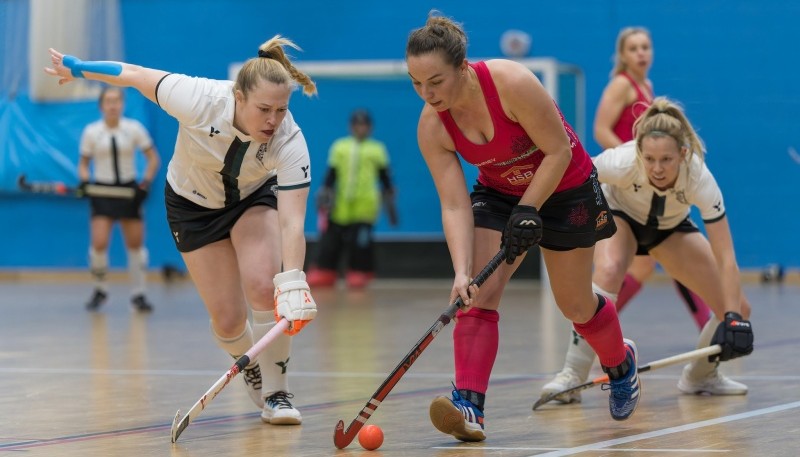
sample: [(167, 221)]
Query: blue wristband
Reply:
[(77, 67)]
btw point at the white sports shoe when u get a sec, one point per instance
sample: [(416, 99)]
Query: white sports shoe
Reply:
[(715, 383), (279, 411), (565, 379), (252, 379)]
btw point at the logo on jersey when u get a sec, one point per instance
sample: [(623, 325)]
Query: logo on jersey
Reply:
[(681, 196), (213, 131), (601, 220), (195, 192), (522, 144), (579, 215), (636, 187), (261, 151), (519, 175), (305, 170), (177, 237), (718, 206)]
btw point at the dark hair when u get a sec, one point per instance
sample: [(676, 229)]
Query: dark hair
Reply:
[(106, 89), (440, 34), (361, 116)]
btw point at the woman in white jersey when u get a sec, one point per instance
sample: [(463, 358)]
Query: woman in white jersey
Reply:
[(110, 144), (651, 184), (238, 154)]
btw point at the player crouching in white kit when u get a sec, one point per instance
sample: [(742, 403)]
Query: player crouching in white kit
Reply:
[(238, 154), (651, 184)]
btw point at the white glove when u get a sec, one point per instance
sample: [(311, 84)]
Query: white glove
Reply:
[(293, 300)]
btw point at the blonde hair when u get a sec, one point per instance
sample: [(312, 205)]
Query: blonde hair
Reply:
[(273, 65), (440, 34), (624, 34), (665, 118)]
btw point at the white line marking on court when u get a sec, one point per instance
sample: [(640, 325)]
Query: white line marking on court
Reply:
[(500, 448), (668, 431)]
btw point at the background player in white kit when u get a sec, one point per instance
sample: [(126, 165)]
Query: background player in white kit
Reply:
[(238, 152), (110, 144), (651, 183)]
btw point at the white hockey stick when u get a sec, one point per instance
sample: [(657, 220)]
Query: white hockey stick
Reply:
[(179, 425), (794, 155)]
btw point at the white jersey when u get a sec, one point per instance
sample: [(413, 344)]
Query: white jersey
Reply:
[(627, 189), (215, 164), (112, 149)]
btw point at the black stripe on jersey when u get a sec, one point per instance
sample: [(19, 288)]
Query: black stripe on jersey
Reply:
[(157, 85), (296, 186), (233, 166), (657, 205), (711, 221), (115, 159)]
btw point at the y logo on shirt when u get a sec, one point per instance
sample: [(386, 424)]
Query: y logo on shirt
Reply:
[(213, 131), (305, 170)]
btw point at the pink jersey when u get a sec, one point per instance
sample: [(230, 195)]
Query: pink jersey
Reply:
[(508, 162), (624, 126)]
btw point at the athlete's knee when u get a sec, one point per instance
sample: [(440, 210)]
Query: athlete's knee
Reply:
[(228, 325)]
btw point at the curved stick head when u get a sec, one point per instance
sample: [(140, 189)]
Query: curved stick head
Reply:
[(341, 437), (174, 431)]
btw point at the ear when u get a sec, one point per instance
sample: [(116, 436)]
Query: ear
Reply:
[(684, 152), (239, 95), (464, 66)]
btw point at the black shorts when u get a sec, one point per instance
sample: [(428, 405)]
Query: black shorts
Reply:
[(649, 237), (194, 226), (575, 218), (118, 208)]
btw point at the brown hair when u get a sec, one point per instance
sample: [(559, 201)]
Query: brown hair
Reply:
[(273, 65), (439, 34), (666, 118), (624, 34)]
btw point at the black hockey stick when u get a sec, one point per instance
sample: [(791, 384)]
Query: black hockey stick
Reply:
[(90, 190), (685, 357), (342, 437)]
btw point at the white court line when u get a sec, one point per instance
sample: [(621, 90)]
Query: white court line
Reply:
[(491, 448), (668, 431)]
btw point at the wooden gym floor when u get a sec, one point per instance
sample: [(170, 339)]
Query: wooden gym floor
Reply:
[(108, 384)]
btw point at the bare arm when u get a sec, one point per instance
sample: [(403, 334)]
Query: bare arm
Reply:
[(140, 78), (528, 103), (153, 163), (457, 220), (83, 168), (291, 217), (719, 235), (615, 97)]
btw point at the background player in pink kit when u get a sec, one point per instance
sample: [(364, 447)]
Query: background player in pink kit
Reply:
[(238, 154), (536, 185), (624, 99)]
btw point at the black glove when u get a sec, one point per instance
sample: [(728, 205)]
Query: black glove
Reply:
[(80, 191), (140, 194), (735, 335), (391, 207), (523, 231), (325, 197)]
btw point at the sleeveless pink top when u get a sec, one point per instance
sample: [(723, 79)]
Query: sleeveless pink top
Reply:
[(509, 160), (624, 126)]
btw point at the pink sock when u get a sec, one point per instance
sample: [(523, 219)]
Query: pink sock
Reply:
[(697, 307), (604, 335), (630, 287), (475, 338)]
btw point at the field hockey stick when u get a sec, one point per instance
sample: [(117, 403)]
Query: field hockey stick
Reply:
[(685, 357), (179, 425), (342, 437), (90, 190)]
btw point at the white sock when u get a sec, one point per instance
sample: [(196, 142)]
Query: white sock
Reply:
[(580, 355), (237, 345), (98, 266), (599, 290), (701, 368), (274, 360), (137, 268)]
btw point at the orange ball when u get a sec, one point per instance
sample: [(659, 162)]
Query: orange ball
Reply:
[(370, 437)]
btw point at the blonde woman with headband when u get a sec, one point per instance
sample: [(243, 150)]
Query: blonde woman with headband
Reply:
[(651, 184), (238, 154)]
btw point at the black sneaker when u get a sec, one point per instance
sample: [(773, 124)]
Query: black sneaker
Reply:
[(98, 298), (139, 303)]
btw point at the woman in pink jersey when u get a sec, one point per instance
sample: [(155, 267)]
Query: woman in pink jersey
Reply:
[(625, 98), (536, 185)]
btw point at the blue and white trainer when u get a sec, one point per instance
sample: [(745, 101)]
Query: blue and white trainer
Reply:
[(457, 417), (627, 390)]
